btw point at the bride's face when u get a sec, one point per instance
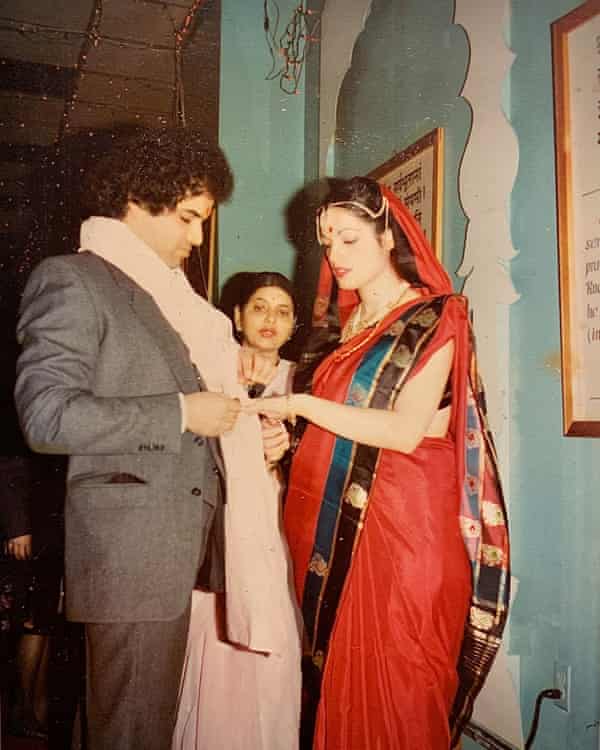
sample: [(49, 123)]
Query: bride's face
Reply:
[(358, 256)]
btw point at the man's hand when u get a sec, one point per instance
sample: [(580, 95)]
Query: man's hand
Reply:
[(276, 440), (255, 367), (210, 414), (19, 547)]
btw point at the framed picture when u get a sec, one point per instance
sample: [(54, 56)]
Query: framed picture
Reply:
[(201, 267), (415, 176), (576, 77)]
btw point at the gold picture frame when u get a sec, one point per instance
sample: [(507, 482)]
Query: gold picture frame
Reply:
[(575, 65), (415, 175)]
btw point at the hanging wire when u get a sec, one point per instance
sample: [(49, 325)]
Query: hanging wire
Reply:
[(91, 39), (181, 35), (179, 107), (554, 694), (291, 45), (39, 32), (270, 27)]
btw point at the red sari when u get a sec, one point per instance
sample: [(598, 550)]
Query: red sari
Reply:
[(390, 674), (385, 555)]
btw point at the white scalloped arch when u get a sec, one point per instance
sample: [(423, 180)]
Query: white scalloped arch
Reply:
[(486, 178)]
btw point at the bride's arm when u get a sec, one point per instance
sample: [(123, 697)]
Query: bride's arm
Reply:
[(401, 429)]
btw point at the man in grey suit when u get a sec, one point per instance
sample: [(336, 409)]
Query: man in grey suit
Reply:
[(105, 378)]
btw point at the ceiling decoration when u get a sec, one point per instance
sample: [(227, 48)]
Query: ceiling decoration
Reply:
[(69, 70), (81, 66), (288, 48)]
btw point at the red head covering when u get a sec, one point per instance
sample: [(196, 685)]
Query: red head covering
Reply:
[(431, 272)]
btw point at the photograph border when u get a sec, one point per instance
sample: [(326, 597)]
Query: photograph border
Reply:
[(573, 425)]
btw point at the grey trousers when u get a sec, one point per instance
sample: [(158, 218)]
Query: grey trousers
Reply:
[(133, 674)]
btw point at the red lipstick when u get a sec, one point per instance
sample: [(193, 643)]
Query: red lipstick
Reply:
[(340, 272)]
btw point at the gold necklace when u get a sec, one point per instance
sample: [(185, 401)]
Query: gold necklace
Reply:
[(356, 324)]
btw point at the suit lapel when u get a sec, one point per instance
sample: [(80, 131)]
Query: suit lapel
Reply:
[(172, 347), (167, 339)]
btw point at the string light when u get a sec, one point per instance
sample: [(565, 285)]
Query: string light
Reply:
[(54, 158), (60, 33), (92, 39), (290, 46), (181, 35), (57, 159)]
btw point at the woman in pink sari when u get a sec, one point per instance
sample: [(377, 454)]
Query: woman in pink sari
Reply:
[(234, 697)]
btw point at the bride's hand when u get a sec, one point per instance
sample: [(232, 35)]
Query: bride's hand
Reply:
[(274, 407)]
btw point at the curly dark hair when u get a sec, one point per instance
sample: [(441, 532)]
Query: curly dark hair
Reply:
[(155, 168), (367, 192)]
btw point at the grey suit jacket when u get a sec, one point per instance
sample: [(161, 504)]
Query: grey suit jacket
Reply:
[(98, 379)]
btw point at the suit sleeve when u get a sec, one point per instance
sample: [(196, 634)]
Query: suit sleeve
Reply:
[(15, 493), (60, 333)]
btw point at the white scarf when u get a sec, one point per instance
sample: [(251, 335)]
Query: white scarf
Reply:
[(252, 560)]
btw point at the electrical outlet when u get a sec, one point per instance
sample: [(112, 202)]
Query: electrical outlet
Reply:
[(562, 681)]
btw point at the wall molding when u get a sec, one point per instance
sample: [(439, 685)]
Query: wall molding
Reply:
[(341, 23), (486, 177)]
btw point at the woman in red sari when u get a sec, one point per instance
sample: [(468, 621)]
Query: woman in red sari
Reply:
[(394, 513)]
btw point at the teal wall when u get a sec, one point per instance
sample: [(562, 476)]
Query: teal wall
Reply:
[(407, 72), (262, 132), (555, 500), (386, 101)]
